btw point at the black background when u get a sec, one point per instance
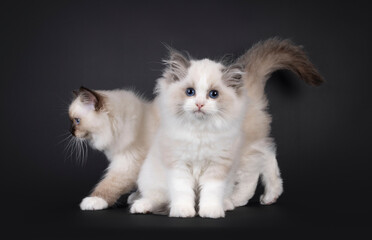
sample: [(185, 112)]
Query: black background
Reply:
[(50, 48)]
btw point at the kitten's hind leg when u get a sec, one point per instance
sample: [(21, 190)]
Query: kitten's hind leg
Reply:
[(247, 178), (271, 179), (245, 189), (142, 205), (151, 201)]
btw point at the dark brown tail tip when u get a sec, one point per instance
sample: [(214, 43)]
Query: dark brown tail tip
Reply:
[(318, 81), (315, 80)]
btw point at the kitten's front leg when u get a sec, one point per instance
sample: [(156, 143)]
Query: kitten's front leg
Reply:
[(181, 189), (213, 183), (119, 179)]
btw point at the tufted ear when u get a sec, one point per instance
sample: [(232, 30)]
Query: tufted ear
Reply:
[(233, 76), (90, 98), (75, 93), (176, 65)]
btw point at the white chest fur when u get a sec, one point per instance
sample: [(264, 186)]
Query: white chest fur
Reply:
[(197, 149)]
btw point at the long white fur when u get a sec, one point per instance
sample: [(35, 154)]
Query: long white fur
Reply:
[(191, 153)]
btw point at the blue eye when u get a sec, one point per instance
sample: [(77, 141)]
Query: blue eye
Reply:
[(190, 92), (213, 94), (77, 121)]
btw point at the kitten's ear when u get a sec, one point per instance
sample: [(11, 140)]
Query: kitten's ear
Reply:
[(75, 93), (91, 98), (233, 76), (176, 65)]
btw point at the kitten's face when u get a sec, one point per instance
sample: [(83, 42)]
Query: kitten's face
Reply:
[(206, 91), (85, 115)]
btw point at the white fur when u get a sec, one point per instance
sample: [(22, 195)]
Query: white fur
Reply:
[(93, 203)]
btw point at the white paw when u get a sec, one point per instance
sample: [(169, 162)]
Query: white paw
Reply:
[(268, 198), (228, 204), (93, 203), (182, 210), (211, 211), (141, 206), (272, 192)]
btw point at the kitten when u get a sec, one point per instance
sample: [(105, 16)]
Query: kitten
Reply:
[(202, 107), (121, 125), (213, 133)]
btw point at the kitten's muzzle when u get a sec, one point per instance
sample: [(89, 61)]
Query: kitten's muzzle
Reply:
[(199, 105)]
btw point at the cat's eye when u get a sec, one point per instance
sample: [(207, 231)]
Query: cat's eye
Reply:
[(213, 94), (190, 92), (77, 121)]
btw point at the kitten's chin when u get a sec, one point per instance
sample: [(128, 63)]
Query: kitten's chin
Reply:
[(83, 136), (200, 115)]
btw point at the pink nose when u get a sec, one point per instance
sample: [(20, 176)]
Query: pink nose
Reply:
[(199, 105)]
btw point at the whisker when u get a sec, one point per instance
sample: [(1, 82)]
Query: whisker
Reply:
[(81, 152), (86, 151), (69, 145), (72, 149), (76, 148), (64, 134), (65, 138), (78, 151)]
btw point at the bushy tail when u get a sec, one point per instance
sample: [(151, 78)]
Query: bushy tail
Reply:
[(266, 57)]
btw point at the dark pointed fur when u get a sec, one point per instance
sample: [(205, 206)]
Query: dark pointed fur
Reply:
[(266, 57), (232, 76), (176, 65), (91, 97)]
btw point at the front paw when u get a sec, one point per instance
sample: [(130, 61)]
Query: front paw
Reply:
[(211, 211), (182, 210), (93, 203), (141, 206)]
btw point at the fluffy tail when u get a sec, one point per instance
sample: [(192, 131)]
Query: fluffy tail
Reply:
[(266, 57)]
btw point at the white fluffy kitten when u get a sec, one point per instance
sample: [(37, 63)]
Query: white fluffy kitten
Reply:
[(202, 107), (213, 136), (120, 124)]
